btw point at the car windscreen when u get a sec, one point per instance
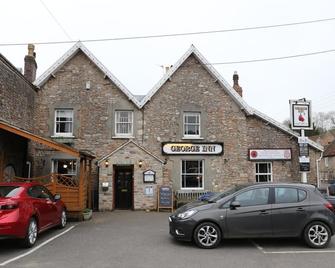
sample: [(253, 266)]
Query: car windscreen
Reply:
[(9, 191), (223, 194)]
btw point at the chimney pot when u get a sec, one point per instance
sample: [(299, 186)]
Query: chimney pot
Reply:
[(30, 65), (236, 86)]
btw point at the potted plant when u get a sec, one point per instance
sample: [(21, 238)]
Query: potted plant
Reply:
[(87, 214)]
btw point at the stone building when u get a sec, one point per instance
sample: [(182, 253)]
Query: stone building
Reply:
[(192, 131), (17, 97)]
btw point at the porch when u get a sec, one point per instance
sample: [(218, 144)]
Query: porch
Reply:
[(76, 190)]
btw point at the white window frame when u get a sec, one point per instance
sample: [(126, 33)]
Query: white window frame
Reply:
[(54, 166), (202, 175), (116, 122), (63, 134), (198, 114), (268, 173), (326, 162)]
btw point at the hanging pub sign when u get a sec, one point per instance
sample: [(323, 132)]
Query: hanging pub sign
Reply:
[(301, 114), (270, 154), (149, 176), (175, 148)]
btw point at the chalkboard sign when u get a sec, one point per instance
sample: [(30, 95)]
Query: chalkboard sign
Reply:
[(165, 197)]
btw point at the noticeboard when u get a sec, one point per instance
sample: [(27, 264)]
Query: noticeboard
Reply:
[(304, 167), (165, 198)]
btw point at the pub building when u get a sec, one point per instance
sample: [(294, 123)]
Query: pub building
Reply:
[(192, 131)]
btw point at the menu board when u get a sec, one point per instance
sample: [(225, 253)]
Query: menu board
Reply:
[(165, 197)]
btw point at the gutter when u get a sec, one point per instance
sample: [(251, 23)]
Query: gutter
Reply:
[(318, 170)]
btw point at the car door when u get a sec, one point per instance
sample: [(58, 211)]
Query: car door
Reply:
[(42, 205), (53, 209), (253, 217), (289, 211)]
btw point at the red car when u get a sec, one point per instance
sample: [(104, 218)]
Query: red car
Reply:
[(27, 209)]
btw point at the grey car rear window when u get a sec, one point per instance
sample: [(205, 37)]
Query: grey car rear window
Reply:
[(289, 195)]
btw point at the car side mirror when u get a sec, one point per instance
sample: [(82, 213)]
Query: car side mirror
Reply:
[(234, 205), (57, 197)]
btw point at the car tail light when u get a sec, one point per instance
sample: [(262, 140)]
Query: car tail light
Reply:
[(9, 205), (330, 206)]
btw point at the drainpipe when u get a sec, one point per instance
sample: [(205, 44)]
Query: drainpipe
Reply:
[(318, 171), (29, 168)]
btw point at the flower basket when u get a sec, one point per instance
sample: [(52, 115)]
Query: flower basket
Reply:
[(87, 214)]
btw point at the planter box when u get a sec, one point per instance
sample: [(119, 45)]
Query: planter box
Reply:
[(87, 214)]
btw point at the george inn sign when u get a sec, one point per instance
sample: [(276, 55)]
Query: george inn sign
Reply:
[(177, 148)]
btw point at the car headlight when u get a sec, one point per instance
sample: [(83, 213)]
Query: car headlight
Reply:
[(187, 214)]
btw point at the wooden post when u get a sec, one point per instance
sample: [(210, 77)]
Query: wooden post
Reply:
[(81, 183), (54, 183), (89, 179)]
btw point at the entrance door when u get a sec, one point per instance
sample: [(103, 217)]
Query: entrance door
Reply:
[(124, 187)]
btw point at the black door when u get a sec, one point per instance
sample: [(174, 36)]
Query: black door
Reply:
[(123, 187)]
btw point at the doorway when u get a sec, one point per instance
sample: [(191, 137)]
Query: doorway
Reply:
[(123, 187)]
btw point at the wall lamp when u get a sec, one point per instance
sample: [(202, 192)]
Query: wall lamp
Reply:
[(105, 186), (140, 163), (106, 163)]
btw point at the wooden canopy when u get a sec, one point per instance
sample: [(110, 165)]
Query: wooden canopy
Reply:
[(50, 143)]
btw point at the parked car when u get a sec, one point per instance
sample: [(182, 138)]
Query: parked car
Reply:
[(27, 209), (254, 211)]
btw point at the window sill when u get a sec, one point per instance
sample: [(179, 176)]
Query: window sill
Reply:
[(62, 137), (192, 138), (123, 137)]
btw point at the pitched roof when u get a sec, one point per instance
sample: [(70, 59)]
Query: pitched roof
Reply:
[(124, 145), (329, 150), (12, 68), (140, 102), (69, 55)]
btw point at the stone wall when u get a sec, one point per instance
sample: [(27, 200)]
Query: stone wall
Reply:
[(190, 89), (16, 97), (130, 155), (93, 108)]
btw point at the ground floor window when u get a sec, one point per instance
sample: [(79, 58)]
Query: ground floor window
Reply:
[(192, 174), (65, 167), (263, 172)]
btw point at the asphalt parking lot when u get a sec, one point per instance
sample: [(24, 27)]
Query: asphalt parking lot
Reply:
[(140, 239)]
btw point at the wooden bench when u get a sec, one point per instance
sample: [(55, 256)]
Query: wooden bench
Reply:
[(183, 197)]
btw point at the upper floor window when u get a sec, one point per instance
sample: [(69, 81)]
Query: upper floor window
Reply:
[(191, 124), (263, 172), (326, 162), (64, 122), (123, 123)]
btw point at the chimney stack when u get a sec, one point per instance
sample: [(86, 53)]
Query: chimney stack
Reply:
[(30, 65), (236, 86)]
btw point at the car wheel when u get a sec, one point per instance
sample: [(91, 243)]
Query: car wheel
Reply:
[(31, 234), (207, 235), (63, 219), (317, 235)]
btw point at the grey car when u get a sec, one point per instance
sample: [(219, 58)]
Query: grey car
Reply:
[(256, 211)]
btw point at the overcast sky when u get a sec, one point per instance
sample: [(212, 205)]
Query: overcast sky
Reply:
[(267, 86)]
